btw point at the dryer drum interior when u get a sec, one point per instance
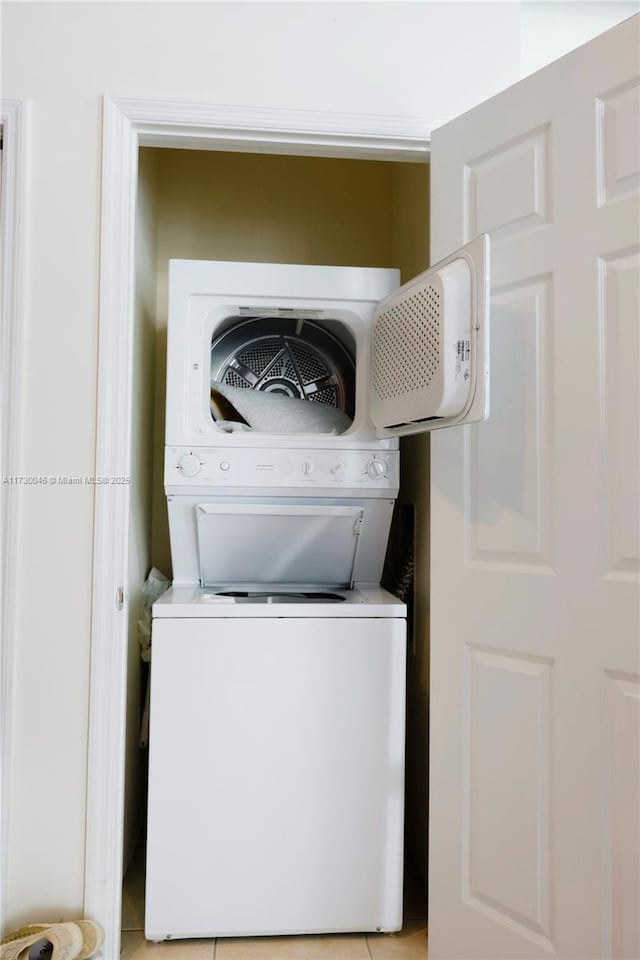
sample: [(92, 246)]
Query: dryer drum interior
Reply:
[(292, 357)]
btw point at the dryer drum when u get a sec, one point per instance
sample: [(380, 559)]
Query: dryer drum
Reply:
[(291, 357)]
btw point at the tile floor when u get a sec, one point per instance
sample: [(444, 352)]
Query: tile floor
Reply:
[(409, 944)]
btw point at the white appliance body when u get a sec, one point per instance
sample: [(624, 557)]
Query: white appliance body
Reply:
[(277, 716), (206, 298), (322, 473), (397, 360), (276, 768), (419, 352)]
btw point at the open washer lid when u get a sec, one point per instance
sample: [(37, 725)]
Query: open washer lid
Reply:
[(271, 544)]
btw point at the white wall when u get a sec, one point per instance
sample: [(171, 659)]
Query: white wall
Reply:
[(381, 58), (551, 28)]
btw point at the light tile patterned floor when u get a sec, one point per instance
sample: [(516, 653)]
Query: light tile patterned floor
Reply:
[(409, 944)]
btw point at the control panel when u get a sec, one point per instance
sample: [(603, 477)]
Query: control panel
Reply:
[(247, 467)]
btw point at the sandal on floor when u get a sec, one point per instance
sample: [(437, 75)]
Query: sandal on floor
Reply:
[(92, 938), (76, 940), (65, 938)]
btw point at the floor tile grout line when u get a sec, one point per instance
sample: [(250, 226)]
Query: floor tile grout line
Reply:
[(366, 940)]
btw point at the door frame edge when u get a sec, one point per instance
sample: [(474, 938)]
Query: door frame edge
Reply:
[(13, 123), (127, 125)]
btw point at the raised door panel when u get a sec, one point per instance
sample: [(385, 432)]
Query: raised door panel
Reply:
[(621, 806), (508, 463), (508, 190), (508, 725), (619, 142), (620, 350)]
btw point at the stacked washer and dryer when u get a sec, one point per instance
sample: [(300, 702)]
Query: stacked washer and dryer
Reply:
[(276, 768)]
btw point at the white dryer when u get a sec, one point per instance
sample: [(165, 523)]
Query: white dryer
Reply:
[(393, 361), (396, 359)]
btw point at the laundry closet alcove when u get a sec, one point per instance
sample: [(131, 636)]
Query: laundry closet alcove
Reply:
[(247, 205)]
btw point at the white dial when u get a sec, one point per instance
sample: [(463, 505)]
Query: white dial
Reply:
[(189, 465), (376, 469)]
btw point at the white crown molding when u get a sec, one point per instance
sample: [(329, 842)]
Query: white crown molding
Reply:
[(201, 126), (128, 124), (12, 230)]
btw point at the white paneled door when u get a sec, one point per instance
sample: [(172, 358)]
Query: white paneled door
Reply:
[(534, 844)]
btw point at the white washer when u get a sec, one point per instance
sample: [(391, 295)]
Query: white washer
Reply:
[(276, 768)]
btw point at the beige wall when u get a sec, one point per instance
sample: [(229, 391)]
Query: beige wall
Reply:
[(395, 59)]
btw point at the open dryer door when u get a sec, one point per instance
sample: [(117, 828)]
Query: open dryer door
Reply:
[(430, 347)]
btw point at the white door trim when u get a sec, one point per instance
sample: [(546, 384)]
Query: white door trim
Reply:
[(12, 216), (128, 124)]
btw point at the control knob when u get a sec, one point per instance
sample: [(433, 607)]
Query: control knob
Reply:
[(189, 465), (376, 469)]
